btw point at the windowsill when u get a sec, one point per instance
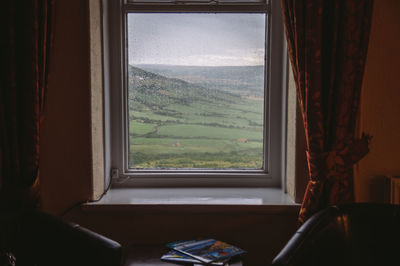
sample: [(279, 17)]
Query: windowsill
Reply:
[(252, 200)]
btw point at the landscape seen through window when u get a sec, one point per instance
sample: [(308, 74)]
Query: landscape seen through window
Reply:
[(196, 90)]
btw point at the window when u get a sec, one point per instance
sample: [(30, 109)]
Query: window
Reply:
[(195, 92)]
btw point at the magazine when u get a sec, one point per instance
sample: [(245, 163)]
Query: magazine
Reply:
[(182, 242), (175, 256), (206, 250)]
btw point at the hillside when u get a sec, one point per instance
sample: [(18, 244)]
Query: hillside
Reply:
[(245, 80), (157, 91), (177, 124)]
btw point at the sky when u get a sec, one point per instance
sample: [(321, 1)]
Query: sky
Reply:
[(205, 39)]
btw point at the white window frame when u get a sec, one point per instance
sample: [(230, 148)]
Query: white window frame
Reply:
[(116, 100)]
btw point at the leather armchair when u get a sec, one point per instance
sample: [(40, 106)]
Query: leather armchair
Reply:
[(37, 238), (355, 234)]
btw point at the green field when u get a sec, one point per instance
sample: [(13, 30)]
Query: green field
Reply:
[(178, 124)]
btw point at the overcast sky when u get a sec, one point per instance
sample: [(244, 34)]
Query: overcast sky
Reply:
[(196, 39)]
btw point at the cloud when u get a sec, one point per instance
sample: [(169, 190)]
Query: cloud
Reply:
[(244, 58), (200, 39)]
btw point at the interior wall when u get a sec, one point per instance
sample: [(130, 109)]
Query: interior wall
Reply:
[(96, 103), (296, 162), (380, 108), (66, 160), (65, 167)]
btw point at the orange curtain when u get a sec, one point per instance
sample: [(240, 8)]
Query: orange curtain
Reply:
[(328, 41), (25, 43)]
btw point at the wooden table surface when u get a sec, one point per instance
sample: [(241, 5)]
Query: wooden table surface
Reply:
[(149, 255)]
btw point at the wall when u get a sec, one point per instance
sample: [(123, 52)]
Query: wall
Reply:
[(65, 167), (296, 161), (380, 107), (67, 161), (66, 134)]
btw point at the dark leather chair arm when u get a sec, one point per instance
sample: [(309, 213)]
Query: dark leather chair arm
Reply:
[(352, 234), (42, 239), (315, 242)]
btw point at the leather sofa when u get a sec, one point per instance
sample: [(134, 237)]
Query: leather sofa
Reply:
[(32, 237), (354, 234)]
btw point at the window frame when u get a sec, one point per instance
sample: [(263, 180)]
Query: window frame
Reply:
[(115, 100)]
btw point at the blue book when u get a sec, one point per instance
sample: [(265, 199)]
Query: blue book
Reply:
[(175, 256), (206, 250)]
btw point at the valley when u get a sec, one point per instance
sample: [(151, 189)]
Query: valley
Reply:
[(195, 117)]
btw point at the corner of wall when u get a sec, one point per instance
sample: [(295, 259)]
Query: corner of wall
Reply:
[(66, 135), (379, 107), (96, 85), (295, 154)]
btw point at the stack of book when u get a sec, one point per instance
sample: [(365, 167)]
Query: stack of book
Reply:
[(203, 252)]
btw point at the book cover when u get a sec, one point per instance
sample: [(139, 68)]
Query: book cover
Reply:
[(183, 242), (175, 256), (207, 250)]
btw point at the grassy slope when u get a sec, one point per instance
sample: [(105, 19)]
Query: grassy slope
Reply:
[(177, 124), (239, 79)]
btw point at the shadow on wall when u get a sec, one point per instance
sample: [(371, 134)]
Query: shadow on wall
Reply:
[(379, 189)]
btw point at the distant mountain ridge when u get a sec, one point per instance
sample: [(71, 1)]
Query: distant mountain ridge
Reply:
[(245, 80), (157, 91)]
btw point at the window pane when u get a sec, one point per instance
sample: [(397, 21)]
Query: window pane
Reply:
[(196, 90), (196, 1)]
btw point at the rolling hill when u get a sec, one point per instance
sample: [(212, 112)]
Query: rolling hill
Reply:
[(244, 80), (174, 123), (158, 91)]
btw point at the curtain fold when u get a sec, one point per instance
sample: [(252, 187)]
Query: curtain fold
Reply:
[(25, 43), (327, 43)]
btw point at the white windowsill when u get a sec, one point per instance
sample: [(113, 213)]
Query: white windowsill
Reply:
[(195, 200)]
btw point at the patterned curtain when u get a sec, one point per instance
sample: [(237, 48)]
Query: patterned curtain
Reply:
[(24, 52), (328, 41)]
